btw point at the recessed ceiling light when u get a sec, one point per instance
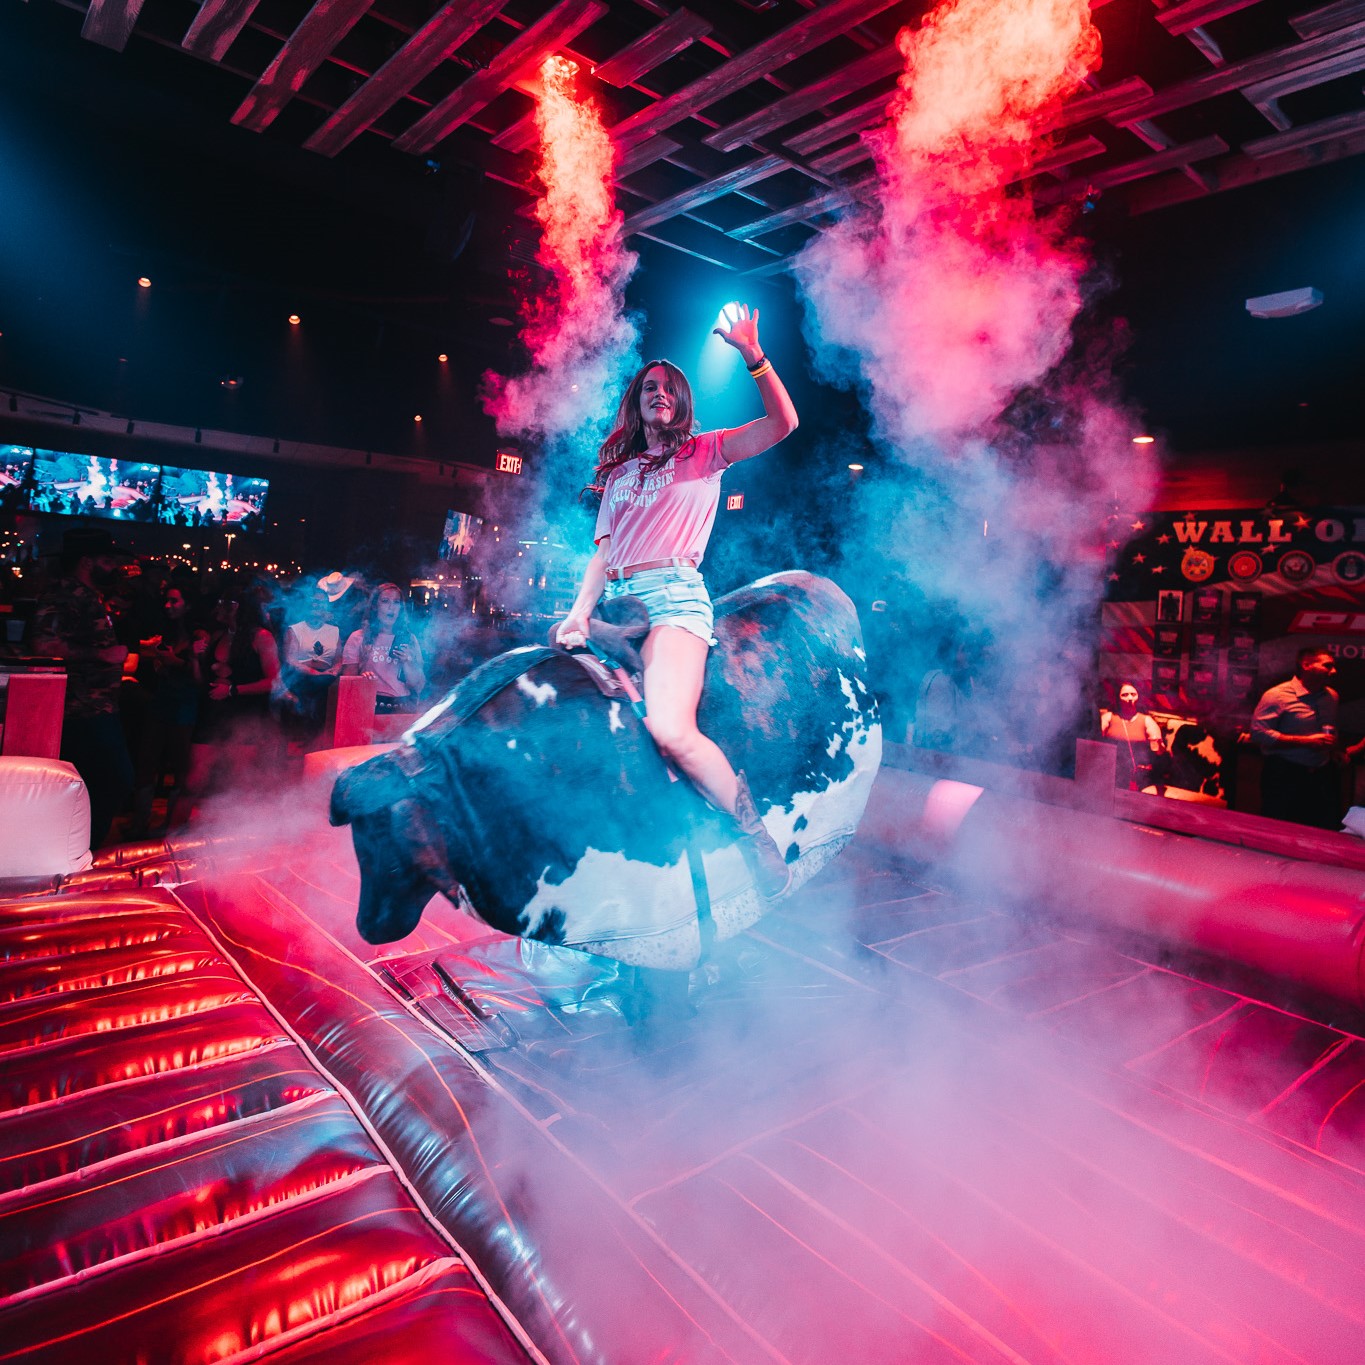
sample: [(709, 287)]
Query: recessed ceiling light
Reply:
[(144, 282), (501, 321), (856, 468), (294, 319), (443, 357), (1143, 440), (417, 417)]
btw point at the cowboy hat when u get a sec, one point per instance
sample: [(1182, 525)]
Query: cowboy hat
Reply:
[(334, 585)]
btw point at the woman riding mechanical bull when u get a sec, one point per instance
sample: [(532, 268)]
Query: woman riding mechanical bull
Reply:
[(660, 491)]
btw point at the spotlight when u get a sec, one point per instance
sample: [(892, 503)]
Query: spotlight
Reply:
[(198, 436), (128, 430), (294, 319), (856, 468), (417, 417), (1092, 199), (1143, 440), (443, 357), (143, 282), (231, 381)]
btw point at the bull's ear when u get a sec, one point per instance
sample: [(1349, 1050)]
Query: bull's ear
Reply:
[(369, 787)]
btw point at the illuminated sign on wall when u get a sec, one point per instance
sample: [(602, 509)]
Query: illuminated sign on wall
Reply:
[(734, 502), (508, 463)]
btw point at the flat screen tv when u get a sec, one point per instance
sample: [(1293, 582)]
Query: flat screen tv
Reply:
[(206, 497), (14, 466), (458, 537), (93, 486)]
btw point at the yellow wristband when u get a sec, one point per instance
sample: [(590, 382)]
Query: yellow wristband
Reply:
[(765, 368)]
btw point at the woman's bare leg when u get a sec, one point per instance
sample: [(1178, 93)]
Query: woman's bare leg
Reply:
[(675, 664)]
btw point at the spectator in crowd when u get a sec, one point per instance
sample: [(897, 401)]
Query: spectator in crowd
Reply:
[(1295, 726), (311, 661), (169, 672), (73, 623), (348, 599), (1138, 740), (385, 649), (943, 709), (240, 664)]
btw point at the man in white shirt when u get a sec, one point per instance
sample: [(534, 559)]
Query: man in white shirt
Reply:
[(311, 658)]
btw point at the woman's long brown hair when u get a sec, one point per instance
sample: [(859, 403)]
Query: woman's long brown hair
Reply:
[(628, 438), (402, 632)]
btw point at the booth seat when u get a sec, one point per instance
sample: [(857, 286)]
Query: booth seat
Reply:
[(44, 819)]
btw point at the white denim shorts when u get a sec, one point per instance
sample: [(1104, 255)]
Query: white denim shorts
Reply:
[(673, 597)]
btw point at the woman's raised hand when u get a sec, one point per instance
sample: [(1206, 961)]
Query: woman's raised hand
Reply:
[(742, 331)]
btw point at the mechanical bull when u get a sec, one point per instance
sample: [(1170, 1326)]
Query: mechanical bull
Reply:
[(537, 794)]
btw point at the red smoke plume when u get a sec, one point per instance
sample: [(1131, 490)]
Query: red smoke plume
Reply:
[(576, 329), (950, 291)]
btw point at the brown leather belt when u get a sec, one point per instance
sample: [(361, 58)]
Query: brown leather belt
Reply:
[(615, 575)]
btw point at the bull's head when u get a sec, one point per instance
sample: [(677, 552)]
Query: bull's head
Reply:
[(398, 844)]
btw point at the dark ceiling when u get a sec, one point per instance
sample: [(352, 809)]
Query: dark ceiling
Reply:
[(367, 166)]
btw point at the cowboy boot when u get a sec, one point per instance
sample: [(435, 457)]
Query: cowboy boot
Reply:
[(770, 872)]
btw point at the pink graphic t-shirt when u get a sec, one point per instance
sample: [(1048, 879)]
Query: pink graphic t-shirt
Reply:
[(668, 514)]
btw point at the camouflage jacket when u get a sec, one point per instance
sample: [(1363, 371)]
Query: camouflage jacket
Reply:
[(73, 622)]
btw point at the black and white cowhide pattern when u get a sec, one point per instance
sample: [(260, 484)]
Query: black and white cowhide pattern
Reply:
[(548, 806)]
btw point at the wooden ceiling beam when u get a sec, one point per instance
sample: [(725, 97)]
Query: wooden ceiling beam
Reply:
[(1173, 158), (521, 57), (663, 41), (696, 195), (110, 22), (856, 75), (841, 125), (1314, 134), (1055, 159), (216, 26), (310, 44), (1239, 74), (799, 37), (653, 149), (678, 32), (1109, 103), (453, 25), (1266, 95), (830, 202), (1316, 22), (1234, 172), (1067, 154), (1191, 14)]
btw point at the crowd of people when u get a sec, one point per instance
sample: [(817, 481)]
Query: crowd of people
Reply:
[(174, 693)]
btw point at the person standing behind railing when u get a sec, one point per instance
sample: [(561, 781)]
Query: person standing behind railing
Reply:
[(386, 649)]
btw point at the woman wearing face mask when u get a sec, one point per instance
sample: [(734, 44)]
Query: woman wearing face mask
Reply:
[(385, 649), (660, 490), (1138, 738)]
